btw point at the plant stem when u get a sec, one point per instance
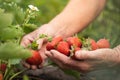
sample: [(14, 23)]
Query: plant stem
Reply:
[(7, 71), (17, 74)]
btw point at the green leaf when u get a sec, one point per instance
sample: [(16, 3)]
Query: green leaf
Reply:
[(14, 61), (11, 32), (15, 10), (33, 45), (6, 20), (74, 73), (13, 51), (43, 36), (29, 27), (1, 11)]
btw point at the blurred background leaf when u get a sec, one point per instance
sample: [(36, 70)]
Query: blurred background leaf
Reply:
[(13, 51), (5, 19), (11, 32)]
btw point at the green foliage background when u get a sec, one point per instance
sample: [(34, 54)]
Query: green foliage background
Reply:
[(106, 25)]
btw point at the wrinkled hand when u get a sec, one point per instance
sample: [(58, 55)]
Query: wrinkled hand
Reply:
[(29, 38), (88, 60)]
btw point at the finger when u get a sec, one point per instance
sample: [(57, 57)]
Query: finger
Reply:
[(25, 64), (26, 40), (56, 61), (82, 54), (33, 67), (66, 61), (42, 52), (81, 66), (40, 42)]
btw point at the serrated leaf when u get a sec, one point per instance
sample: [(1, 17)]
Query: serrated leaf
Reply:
[(13, 51)]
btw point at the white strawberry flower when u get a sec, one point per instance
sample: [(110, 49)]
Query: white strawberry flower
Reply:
[(33, 8)]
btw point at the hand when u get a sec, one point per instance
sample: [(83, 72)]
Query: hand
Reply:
[(88, 60), (43, 56), (29, 38)]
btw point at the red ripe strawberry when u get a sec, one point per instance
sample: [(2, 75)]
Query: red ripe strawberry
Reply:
[(36, 59), (94, 45), (63, 47), (56, 40), (3, 67), (74, 41), (49, 46), (103, 43), (53, 43), (77, 49)]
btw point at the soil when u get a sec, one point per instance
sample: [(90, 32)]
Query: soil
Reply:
[(47, 73)]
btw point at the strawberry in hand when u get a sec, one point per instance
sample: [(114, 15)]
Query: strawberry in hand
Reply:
[(74, 41), (53, 43), (64, 48), (36, 58), (103, 43), (94, 45)]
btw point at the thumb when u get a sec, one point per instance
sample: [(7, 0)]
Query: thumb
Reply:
[(40, 42), (82, 54)]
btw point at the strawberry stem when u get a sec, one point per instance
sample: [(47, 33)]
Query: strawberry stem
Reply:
[(43, 36), (72, 51), (17, 74)]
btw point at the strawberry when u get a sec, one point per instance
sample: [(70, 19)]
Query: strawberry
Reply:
[(77, 49), (74, 41), (53, 43), (63, 47), (49, 46), (94, 45), (3, 67), (103, 43), (36, 59), (56, 40)]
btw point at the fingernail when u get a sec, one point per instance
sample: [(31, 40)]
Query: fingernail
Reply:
[(52, 52), (47, 53)]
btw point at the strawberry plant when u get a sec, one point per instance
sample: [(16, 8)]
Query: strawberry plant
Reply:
[(14, 23)]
